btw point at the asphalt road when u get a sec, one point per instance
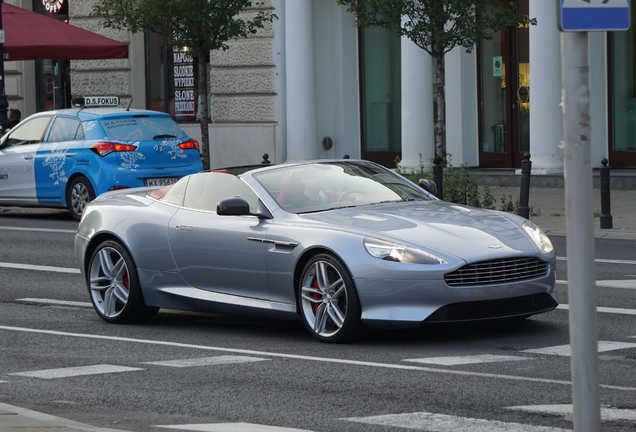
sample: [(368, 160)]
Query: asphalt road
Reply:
[(187, 371)]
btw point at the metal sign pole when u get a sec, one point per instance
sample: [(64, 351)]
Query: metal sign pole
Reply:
[(580, 231)]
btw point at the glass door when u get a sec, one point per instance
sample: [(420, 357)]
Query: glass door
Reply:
[(504, 94), (622, 107)]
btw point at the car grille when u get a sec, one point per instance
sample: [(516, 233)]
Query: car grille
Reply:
[(501, 270)]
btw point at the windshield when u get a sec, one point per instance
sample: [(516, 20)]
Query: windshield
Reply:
[(326, 186)]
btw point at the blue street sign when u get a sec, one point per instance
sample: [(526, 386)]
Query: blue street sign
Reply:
[(594, 15)]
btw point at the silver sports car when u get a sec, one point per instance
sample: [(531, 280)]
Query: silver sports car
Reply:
[(343, 245)]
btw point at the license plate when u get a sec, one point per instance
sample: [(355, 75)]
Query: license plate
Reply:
[(161, 181)]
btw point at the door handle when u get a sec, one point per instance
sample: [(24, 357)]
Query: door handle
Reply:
[(27, 157), (184, 228)]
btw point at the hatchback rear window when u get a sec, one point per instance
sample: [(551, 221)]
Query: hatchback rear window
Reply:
[(141, 128)]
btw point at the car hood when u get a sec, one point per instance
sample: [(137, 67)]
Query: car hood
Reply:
[(461, 231)]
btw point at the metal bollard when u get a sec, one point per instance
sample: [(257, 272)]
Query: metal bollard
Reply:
[(606, 217), (266, 160), (524, 193), (438, 177)]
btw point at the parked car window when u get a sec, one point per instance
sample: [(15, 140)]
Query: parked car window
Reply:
[(141, 128), (29, 132), (65, 129)]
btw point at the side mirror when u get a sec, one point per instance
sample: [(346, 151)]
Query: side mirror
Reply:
[(238, 206), (234, 206), (428, 185)]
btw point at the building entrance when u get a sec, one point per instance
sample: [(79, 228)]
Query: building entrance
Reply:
[(504, 94)]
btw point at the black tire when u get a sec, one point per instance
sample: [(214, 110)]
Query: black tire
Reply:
[(78, 194), (113, 285), (328, 301)]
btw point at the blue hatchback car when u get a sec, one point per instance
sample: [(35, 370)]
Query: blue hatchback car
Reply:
[(66, 158)]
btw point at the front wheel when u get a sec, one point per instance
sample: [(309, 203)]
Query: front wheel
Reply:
[(79, 194), (328, 301), (114, 287)]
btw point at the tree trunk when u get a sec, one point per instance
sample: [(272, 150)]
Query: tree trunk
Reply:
[(205, 115), (441, 106)]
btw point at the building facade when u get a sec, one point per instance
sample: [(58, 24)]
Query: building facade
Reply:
[(312, 85)]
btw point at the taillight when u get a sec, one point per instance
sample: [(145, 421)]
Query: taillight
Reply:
[(103, 148), (189, 144)]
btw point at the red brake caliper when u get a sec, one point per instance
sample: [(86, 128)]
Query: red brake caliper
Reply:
[(127, 282)]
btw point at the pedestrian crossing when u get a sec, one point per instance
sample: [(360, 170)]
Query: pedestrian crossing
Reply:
[(424, 420)]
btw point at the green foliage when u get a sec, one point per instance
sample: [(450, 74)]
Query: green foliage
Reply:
[(439, 26), (508, 205), (459, 184), (204, 25)]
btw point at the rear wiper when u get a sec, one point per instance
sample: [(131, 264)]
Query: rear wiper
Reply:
[(163, 136)]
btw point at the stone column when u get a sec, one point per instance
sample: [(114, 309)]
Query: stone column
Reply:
[(302, 135), (546, 125), (418, 128)]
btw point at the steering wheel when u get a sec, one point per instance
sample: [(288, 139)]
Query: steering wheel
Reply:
[(349, 192)]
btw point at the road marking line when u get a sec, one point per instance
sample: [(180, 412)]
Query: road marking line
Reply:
[(465, 360), (605, 310), (75, 371), (307, 358), (39, 268), (55, 302), (564, 350), (602, 260), (56, 230), (206, 361), (607, 414), (619, 283), (231, 427), (446, 423)]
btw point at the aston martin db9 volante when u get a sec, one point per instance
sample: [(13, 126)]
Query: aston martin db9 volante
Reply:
[(343, 245)]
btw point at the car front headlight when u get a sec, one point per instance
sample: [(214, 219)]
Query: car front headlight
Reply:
[(399, 253), (538, 236)]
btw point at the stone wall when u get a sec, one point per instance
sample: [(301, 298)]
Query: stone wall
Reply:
[(99, 77), (242, 77)]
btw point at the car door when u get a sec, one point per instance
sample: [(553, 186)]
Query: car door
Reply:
[(219, 253), (55, 158), (17, 159)]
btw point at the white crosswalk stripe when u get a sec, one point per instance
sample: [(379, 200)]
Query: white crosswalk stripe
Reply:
[(607, 414), (75, 371), (466, 360), (432, 422), (231, 427), (206, 361), (564, 350)]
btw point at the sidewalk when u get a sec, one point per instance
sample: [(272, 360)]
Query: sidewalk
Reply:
[(16, 419), (547, 210)]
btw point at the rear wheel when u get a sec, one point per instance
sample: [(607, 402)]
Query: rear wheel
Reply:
[(328, 301), (114, 287), (78, 195)]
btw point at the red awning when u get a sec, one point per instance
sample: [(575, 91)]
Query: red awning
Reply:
[(32, 36)]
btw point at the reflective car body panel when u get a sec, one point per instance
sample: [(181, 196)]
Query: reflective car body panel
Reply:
[(41, 156), (190, 257)]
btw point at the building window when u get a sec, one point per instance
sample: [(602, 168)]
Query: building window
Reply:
[(171, 79), (380, 59)]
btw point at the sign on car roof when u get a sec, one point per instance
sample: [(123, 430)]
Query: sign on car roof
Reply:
[(96, 101)]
